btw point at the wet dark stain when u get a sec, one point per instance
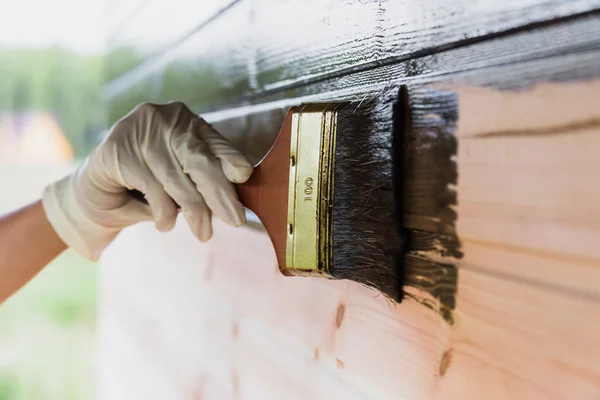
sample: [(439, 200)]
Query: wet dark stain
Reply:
[(316, 354), (340, 364), (414, 68), (430, 200), (341, 312), (445, 362), (235, 330)]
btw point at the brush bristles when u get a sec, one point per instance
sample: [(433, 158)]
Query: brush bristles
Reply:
[(367, 207)]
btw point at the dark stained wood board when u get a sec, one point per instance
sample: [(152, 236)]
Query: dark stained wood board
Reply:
[(204, 92), (258, 46)]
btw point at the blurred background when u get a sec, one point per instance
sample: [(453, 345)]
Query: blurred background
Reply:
[(55, 59), (51, 114)]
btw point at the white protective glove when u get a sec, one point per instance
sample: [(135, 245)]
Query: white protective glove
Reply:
[(166, 152)]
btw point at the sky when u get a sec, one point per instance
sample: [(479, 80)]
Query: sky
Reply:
[(75, 24)]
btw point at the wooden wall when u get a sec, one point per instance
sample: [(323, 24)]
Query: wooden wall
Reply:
[(502, 204)]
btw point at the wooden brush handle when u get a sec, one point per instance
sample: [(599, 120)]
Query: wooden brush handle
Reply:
[(266, 192)]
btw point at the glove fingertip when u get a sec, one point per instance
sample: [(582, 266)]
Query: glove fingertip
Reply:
[(205, 235), (201, 226), (239, 175), (238, 171), (165, 224)]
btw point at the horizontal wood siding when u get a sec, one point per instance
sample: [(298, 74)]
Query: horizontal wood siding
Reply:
[(500, 160)]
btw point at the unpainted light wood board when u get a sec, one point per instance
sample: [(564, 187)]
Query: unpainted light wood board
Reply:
[(527, 181), (195, 330)]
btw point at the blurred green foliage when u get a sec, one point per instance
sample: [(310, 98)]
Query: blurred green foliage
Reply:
[(47, 334), (47, 329), (195, 82), (70, 84), (62, 82), (9, 386), (206, 81)]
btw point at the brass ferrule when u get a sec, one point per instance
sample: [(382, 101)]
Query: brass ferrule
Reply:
[(310, 195)]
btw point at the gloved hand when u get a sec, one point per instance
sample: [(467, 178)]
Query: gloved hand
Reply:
[(166, 152)]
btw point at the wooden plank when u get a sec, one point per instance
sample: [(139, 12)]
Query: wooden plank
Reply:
[(277, 45), (227, 329)]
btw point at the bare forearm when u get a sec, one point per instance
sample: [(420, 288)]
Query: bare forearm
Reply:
[(27, 244)]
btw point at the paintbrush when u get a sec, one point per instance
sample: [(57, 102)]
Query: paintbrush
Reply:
[(329, 194)]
